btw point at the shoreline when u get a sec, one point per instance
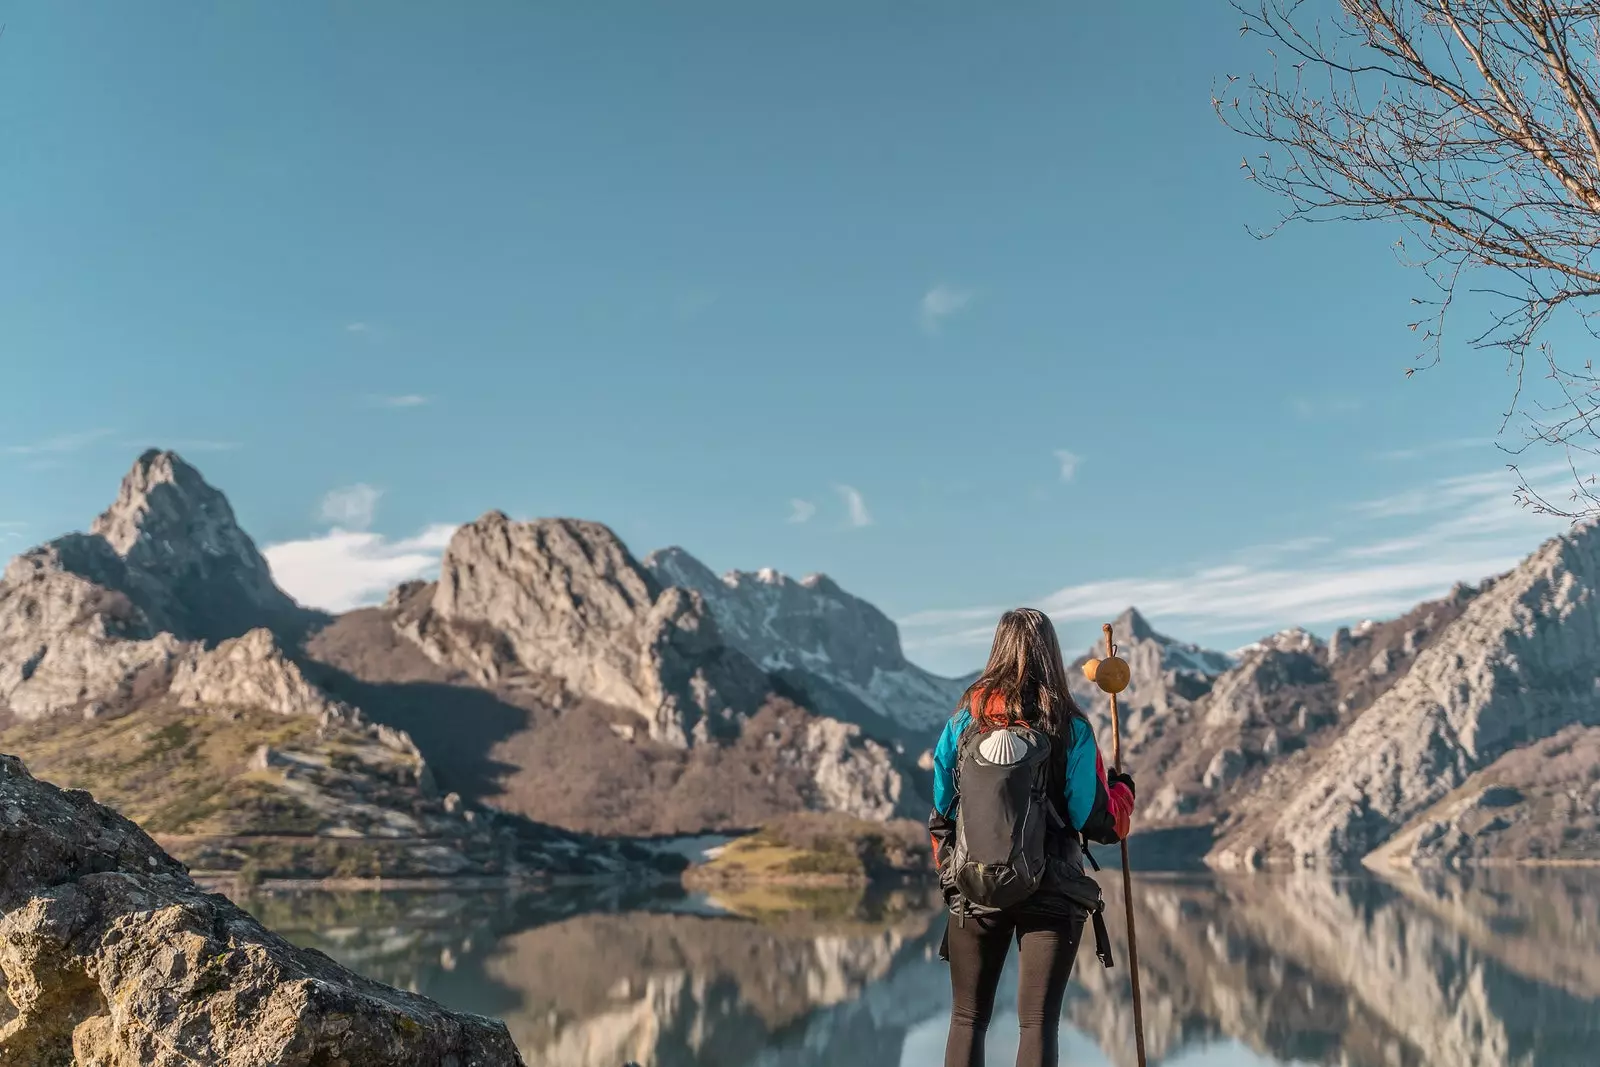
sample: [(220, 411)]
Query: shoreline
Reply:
[(699, 880)]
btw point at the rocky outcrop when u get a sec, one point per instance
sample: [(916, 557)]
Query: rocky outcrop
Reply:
[(112, 956), (251, 672), (565, 598), (188, 564), (1535, 805), (67, 643), (98, 620), (1166, 678), (841, 652), (850, 774), (1517, 666)]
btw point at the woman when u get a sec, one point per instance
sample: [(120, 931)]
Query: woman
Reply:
[(1023, 691)]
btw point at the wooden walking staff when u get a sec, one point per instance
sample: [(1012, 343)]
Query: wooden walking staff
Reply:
[(1112, 675)]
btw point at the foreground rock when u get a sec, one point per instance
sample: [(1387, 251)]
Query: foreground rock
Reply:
[(112, 957)]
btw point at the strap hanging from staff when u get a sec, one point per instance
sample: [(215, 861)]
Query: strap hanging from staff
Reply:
[(1112, 676)]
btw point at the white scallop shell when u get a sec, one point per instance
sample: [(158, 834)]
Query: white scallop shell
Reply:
[(1003, 747)]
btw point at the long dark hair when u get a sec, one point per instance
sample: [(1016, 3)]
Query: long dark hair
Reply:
[(1025, 680)]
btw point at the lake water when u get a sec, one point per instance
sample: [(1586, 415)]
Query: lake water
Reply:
[(1486, 968)]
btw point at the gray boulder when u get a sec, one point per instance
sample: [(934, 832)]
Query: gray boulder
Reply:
[(112, 957)]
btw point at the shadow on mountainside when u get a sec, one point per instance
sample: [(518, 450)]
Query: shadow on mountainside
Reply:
[(573, 763), (360, 660)]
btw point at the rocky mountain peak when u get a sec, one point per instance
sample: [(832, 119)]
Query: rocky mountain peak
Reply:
[(1294, 640), (840, 650), (565, 598), (1132, 626), (161, 495), (187, 562)]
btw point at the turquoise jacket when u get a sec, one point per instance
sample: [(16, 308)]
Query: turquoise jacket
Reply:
[(1095, 810)]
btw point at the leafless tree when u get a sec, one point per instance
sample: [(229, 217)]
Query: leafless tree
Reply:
[(1476, 124)]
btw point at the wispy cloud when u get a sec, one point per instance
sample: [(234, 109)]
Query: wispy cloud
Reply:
[(345, 569), (855, 504), (939, 303), (398, 400), (1435, 448), (357, 327), (190, 445), (1069, 462), (1292, 546), (352, 507), (801, 510), (60, 444), (1462, 528)]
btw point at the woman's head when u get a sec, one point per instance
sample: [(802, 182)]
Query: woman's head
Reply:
[(1025, 679)]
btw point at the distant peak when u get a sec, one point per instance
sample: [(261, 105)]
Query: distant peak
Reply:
[(821, 583), (186, 498), (1132, 626), (676, 565)]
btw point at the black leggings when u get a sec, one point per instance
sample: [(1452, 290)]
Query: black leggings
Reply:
[(978, 951)]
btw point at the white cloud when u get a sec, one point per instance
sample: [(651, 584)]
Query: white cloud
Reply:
[(62, 443), (941, 302), (1435, 448), (357, 327), (351, 507), (345, 569), (801, 510), (401, 400), (1292, 546), (1462, 528), (856, 504), (1069, 463)]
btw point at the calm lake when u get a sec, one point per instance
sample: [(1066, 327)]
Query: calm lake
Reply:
[(1484, 968)]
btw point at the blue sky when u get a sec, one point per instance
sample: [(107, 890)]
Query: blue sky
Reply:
[(969, 293)]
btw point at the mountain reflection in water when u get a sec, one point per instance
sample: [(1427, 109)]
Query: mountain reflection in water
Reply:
[(1495, 968)]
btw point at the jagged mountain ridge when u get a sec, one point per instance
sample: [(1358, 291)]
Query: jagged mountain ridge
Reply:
[(621, 707), (1517, 666), (1312, 752), (167, 607), (841, 651), (557, 619)]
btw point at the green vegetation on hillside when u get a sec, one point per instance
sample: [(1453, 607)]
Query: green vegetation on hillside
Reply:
[(819, 850)]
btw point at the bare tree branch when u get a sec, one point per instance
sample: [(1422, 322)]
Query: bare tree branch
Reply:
[(1476, 125)]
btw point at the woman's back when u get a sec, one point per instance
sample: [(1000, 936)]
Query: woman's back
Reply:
[(1004, 875)]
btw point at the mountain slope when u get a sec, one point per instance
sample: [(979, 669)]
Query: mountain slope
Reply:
[(840, 651), (548, 673), (1517, 666), (109, 681)]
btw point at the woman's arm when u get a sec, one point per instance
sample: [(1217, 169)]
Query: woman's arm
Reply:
[(1100, 811), (941, 821)]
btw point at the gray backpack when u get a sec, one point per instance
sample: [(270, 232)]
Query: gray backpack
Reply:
[(1002, 777)]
